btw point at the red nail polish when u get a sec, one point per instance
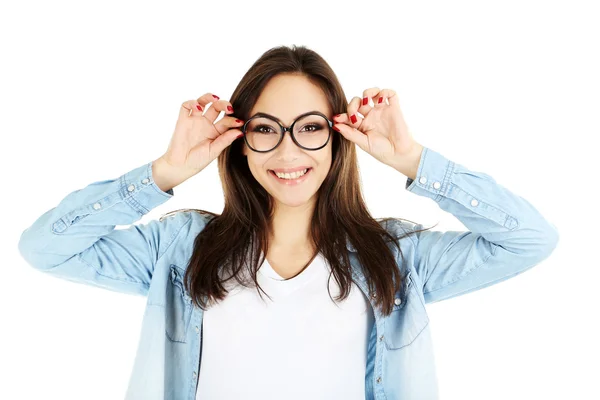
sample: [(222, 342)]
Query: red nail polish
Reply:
[(229, 108), (199, 108), (239, 136), (336, 128), (353, 118), (380, 99), (216, 97), (365, 101), (238, 121)]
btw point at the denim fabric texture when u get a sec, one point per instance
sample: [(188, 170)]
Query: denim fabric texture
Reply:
[(77, 241)]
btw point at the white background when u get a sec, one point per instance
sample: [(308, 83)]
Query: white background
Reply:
[(91, 90)]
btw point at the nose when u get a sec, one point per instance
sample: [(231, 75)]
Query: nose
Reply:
[(287, 143)]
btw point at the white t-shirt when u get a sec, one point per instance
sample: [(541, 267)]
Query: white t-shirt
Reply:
[(300, 345)]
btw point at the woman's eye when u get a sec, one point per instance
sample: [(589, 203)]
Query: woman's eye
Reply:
[(316, 127), (260, 129)]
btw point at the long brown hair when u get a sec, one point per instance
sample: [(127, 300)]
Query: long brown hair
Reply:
[(229, 240)]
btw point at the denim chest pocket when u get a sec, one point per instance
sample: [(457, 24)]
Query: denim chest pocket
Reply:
[(408, 318), (178, 306)]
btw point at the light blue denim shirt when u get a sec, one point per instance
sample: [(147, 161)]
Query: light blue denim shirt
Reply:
[(76, 240)]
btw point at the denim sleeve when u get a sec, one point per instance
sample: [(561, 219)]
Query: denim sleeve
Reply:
[(76, 240), (506, 236)]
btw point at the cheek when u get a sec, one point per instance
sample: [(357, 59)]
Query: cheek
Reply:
[(326, 161), (256, 166)]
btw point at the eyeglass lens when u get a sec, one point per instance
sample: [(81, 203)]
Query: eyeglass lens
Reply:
[(311, 131)]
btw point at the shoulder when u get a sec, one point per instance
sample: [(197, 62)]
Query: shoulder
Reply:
[(185, 223), (180, 228), (194, 217), (399, 228)]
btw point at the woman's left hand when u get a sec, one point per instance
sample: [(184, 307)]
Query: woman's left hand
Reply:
[(382, 132)]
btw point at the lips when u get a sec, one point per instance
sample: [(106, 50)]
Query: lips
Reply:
[(290, 170), (272, 171), (291, 181)]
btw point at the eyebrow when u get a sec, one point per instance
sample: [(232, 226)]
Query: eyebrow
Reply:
[(262, 114)]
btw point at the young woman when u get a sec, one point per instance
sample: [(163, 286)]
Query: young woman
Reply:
[(294, 218)]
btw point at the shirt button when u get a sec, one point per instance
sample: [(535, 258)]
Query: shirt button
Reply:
[(437, 185), (397, 301), (373, 296), (145, 181), (379, 380), (197, 329), (97, 206), (423, 180), (474, 202), (380, 338), (194, 374), (131, 188)]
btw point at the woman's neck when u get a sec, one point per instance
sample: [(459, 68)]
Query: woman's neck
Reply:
[(290, 228)]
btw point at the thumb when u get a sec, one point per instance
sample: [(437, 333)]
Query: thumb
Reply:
[(224, 140), (353, 135)]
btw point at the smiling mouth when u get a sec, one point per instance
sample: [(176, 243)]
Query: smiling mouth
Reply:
[(308, 170)]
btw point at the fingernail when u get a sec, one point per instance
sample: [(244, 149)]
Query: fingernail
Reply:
[(337, 116), (336, 128), (365, 101), (199, 108), (216, 97), (229, 108), (239, 136), (238, 121), (353, 118), (380, 99)]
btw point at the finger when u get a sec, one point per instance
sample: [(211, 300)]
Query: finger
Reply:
[(216, 106), (368, 94), (352, 111), (224, 140), (190, 108), (341, 119), (353, 134), (227, 123), (393, 99), (383, 95)]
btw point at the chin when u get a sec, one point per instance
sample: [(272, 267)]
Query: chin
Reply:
[(291, 198), (292, 202)]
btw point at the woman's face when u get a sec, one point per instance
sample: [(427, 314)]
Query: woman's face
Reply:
[(286, 97)]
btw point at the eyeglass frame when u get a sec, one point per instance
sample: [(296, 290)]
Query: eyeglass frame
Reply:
[(285, 129)]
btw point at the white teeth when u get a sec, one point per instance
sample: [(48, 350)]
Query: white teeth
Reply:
[(293, 175)]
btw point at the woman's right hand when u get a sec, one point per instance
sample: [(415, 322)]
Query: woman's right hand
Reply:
[(197, 140)]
